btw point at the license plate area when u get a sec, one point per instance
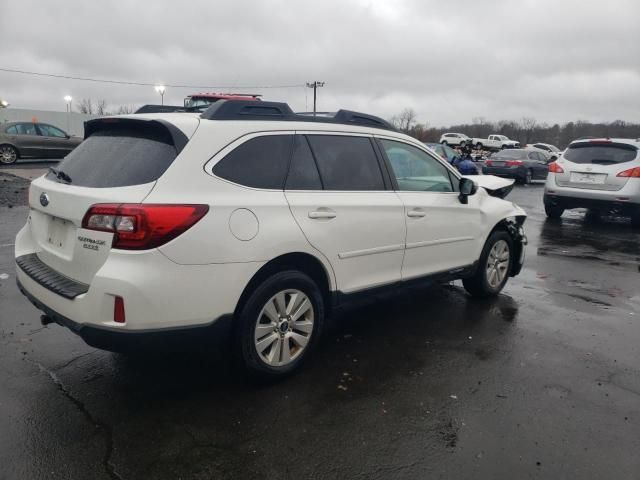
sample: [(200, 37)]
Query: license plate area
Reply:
[(588, 178), (57, 233)]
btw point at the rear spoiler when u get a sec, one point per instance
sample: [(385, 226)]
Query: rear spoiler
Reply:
[(160, 109), (170, 132)]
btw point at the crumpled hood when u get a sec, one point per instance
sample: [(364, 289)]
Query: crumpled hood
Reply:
[(495, 186)]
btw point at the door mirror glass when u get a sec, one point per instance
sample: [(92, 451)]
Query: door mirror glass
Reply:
[(467, 187)]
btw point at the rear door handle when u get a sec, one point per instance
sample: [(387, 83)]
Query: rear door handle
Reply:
[(322, 213), (416, 213)]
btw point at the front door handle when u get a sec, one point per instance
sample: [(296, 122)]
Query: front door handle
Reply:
[(322, 213), (416, 213)]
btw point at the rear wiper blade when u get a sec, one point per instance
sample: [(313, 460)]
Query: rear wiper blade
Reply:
[(60, 174)]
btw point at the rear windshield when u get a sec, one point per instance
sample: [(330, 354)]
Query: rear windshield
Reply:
[(119, 156), (602, 154), (510, 155)]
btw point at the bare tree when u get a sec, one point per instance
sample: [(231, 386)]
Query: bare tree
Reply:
[(405, 120), (101, 107), (86, 106), (124, 109)]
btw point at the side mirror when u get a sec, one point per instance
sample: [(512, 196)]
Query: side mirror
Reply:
[(467, 187)]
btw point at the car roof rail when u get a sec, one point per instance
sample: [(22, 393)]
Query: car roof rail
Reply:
[(160, 109), (251, 110)]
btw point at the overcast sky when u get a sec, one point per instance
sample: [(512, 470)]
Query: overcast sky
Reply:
[(451, 61)]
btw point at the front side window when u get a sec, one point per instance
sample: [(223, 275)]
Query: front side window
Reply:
[(51, 131), (415, 170), (346, 163), (261, 162)]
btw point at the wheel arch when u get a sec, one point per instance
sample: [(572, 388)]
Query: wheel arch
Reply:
[(512, 226), (9, 144), (303, 262)]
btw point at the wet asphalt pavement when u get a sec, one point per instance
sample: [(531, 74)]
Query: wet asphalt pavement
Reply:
[(542, 382)]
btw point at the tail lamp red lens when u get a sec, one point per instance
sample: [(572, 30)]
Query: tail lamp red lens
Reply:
[(488, 163), (118, 310), (631, 173), (555, 168), (142, 226)]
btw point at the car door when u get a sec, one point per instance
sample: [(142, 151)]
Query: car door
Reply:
[(346, 209), (538, 164), (442, 233), (28, 140), (56, 142)]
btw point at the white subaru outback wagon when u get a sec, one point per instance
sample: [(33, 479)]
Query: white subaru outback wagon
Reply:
[(165, 225)]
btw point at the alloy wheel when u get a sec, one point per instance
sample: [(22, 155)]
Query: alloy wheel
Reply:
[(284, 327), (8, 154), (497, 263)]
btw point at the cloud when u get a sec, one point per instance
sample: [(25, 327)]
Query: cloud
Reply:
[(451, 61)]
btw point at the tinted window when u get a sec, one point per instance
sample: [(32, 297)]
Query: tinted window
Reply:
[(51, 131), (12, 130), (346, 163), (26, 129), (261, 162), (601, 154), (303, 173), (510, 155), (119, 156), (416, 170)]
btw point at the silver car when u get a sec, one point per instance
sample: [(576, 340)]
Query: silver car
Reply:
[(602, 175)]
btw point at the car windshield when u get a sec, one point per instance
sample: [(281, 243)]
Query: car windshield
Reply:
[(510, 155), (602, 154)]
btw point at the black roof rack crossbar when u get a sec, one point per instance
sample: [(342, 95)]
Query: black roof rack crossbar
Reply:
[(251, 110)]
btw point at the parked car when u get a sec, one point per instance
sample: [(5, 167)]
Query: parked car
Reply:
[(455, 139), (547, 147), (445, 151), (164, 225), (521, 164), (495, 142), (31, 139), (602, 175)]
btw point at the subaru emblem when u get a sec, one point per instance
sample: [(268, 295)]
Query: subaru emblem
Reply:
[(44, 199)]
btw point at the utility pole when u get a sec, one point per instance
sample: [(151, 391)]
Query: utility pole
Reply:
[(315, 85)]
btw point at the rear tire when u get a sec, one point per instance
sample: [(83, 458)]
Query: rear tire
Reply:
[(528, 177), (444, 142), (493, 267), (462, 144), (479, 146), (279, 325), (553, 211), (8, 154)]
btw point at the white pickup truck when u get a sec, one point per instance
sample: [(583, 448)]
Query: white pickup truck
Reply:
[(495, 142)]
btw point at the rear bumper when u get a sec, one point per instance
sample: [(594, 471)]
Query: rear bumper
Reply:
[(137, 340), (508, 172), (607, 206)]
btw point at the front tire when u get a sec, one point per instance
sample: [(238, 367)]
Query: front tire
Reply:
[(279, 325), (553, 211), (479, 146), (493, 267), (8, 154)]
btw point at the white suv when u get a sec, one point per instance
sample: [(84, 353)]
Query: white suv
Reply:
[(602, 175), (455, 139), (164, 225)]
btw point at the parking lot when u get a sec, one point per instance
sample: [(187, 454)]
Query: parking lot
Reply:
[(542, 382)]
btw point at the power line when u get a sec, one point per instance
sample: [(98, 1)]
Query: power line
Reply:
[(146, 84)]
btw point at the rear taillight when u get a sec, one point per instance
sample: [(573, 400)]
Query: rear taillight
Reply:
[(631, 173), (118, 310), (513, 163), (555, 168), (488, 163), (140, 226)]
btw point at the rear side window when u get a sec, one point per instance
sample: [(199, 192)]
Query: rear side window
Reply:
[(12, 130), (119, 156), (261, 162), (303, 173), (346, 163), (601, 154)]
